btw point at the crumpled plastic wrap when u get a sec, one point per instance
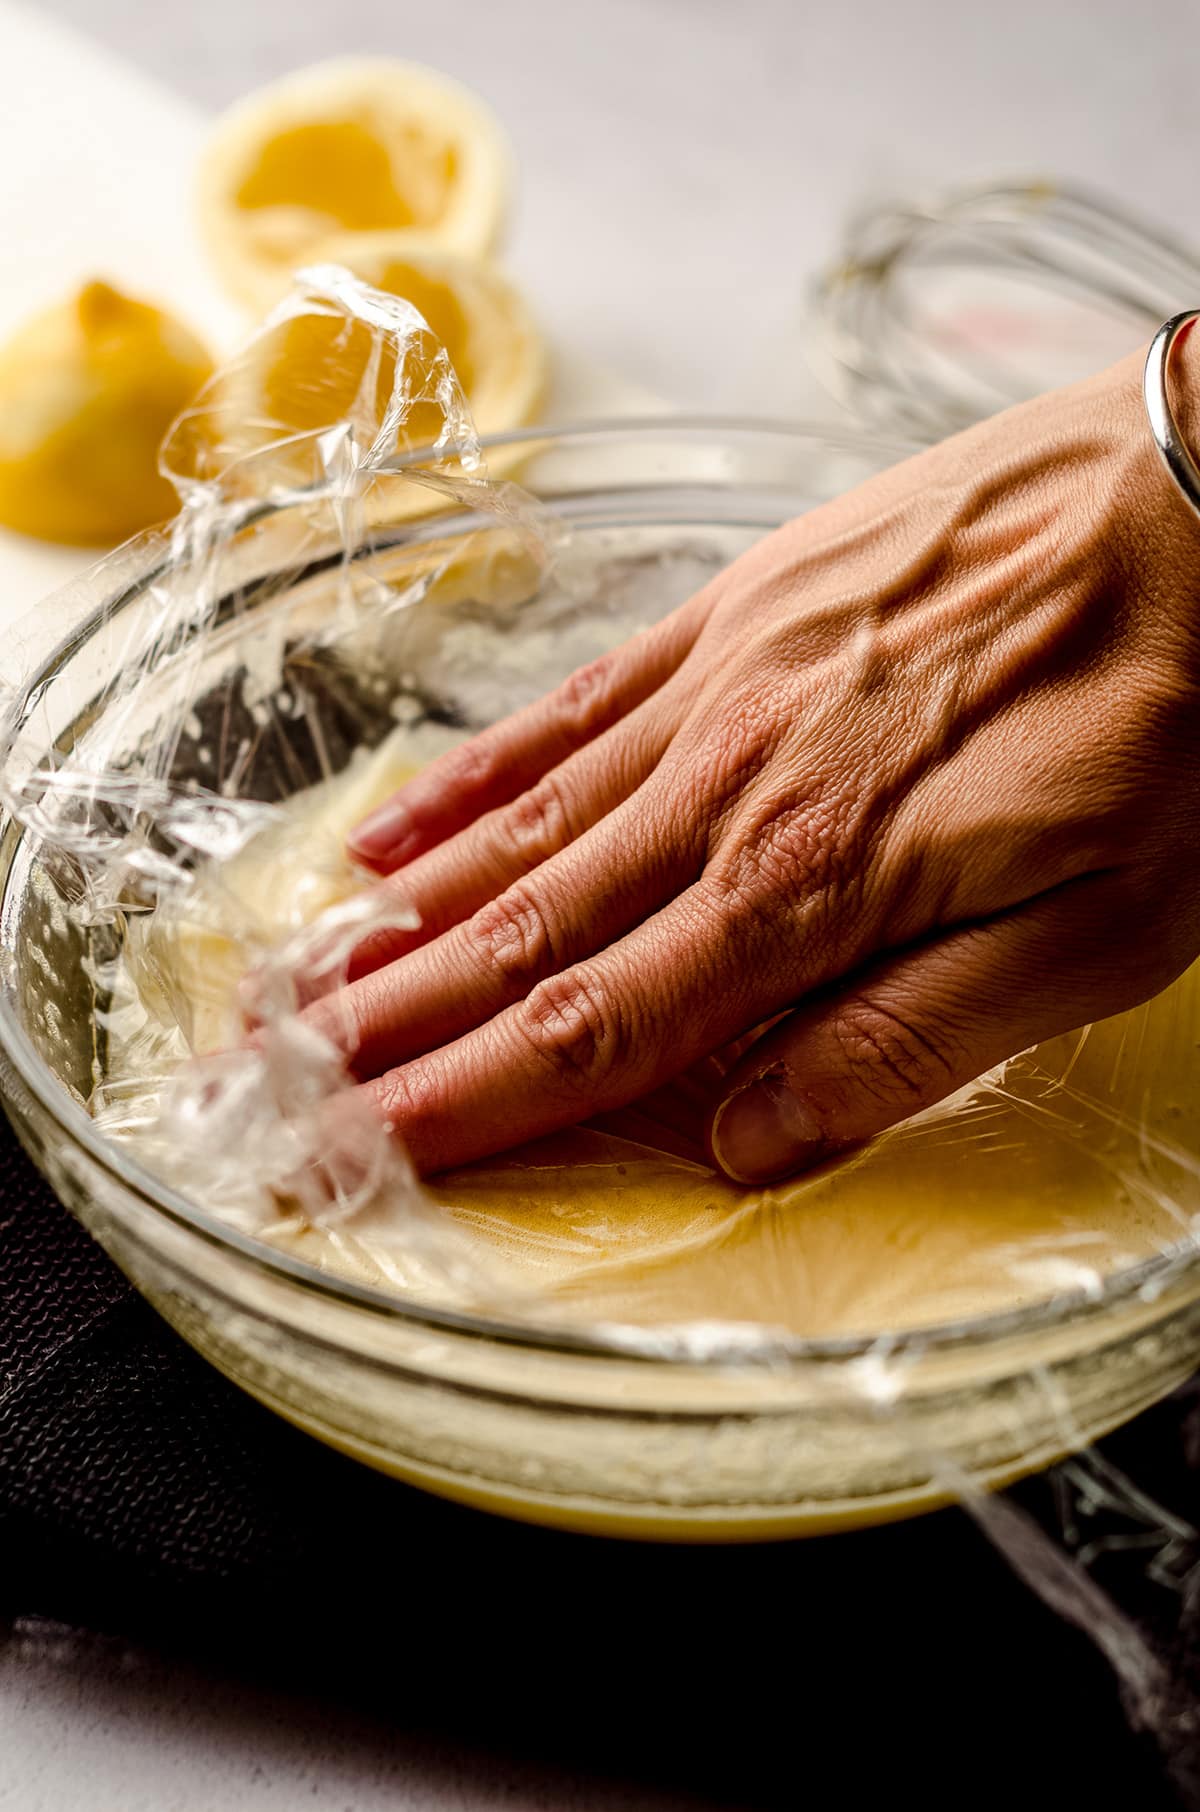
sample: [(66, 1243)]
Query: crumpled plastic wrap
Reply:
[(267, 656), (201, 729)]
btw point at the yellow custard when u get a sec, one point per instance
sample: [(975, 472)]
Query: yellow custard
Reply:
[(1072, 1162)]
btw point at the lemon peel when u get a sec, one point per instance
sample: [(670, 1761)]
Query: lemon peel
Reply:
[(261, 425), (357, 144), (476, 313)]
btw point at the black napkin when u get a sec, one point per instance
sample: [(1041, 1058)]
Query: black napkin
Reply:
[(142, 1495)]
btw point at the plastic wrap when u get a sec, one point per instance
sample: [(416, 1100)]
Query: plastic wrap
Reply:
[(282, 465), (312, 623)]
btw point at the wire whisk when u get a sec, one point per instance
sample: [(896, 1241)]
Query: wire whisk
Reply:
[(941, 311)]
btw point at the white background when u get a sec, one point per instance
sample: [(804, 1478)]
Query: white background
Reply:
[(685, 167), (686, 162)]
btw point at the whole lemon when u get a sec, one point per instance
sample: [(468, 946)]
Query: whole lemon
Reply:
[(87, 391)]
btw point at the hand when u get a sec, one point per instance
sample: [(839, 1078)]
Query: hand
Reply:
[(912, 786)]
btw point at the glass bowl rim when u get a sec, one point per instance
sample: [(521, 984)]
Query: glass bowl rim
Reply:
[(666, 1346)]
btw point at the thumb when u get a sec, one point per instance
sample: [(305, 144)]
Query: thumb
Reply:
[(851, 1063)]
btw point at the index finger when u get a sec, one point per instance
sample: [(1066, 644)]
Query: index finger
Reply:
[(492, 769)]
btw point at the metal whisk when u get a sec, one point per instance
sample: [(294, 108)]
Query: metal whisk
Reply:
[(941, 311)]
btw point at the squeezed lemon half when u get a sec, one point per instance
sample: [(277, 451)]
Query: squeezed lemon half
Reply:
[(313, 369), (483, 322), (87, 390), (355, 145)]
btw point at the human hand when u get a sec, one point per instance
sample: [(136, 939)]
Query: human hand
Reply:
[(912, 785)]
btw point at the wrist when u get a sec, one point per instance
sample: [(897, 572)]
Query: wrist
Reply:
[(1164, 537), (1183, 386), (1171, 386), (1162, 496)]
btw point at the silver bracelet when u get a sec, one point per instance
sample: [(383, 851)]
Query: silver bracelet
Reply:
[(1165, 429)]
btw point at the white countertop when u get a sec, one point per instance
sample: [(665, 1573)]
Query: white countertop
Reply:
[(106, 155), (685, 167), (92, 1725), (686, 163)]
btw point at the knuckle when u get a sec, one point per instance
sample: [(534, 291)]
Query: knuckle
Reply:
[(887, 1057), (512, 937), (538, 824), (402, 1097), (584, 698), (735, 894), (473, 767), (574, 1030), (793, 869), (741, 746), (817, 846)]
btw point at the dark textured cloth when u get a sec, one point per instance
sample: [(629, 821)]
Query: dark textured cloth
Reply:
[(141, 1494)]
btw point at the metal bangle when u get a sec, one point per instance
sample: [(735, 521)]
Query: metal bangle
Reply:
[(1170, 442)]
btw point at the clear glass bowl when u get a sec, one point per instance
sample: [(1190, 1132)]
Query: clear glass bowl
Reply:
[(789, 1436)]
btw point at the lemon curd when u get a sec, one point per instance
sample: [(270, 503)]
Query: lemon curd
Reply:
[(1072, 1162)]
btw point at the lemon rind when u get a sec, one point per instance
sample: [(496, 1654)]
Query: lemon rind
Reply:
[(476, 220)]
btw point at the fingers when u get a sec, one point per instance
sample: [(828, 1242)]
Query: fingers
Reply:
[(905, 1034), (512, 756), (588, 1038), (574, 904), (457, 877)]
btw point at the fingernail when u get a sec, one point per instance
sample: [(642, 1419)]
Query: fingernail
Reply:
[(383, 835), (763, 1132)]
